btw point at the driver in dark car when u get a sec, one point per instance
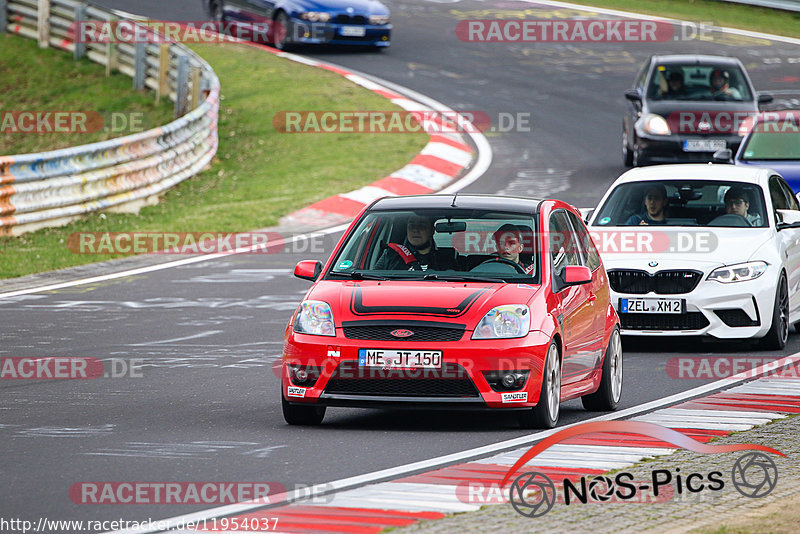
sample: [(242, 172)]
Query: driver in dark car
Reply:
[(418, 252), (508, 240), (719, 81)]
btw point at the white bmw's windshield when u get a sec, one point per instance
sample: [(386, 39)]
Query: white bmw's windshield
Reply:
[(708, 203)]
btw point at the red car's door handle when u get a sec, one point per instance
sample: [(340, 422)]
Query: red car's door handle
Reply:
[(592, 297)]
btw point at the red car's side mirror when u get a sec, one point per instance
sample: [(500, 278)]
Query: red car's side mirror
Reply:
[(575, 275), (308, 270)]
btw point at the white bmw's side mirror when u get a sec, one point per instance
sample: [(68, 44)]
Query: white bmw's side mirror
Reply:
[(586, 213)]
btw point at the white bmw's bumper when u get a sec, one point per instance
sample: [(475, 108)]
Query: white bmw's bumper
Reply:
[(724, 311)]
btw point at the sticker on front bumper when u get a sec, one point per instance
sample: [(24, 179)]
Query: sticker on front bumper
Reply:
[(521, 396), (295, 391)]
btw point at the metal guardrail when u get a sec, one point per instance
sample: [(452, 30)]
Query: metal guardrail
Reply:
[(786, 5), (52, 188)]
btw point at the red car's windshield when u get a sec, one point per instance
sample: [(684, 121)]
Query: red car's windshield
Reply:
[(431, 244)]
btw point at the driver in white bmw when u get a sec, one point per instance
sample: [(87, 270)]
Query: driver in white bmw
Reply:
[(655, 203)]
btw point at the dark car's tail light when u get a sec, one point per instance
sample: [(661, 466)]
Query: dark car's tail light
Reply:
[(304, 375), (506, 380)]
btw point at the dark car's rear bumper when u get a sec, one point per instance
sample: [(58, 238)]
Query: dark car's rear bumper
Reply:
[(654, 149)]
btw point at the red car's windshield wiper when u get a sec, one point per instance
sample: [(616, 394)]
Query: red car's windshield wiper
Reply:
[(461, 278), (358, 275)]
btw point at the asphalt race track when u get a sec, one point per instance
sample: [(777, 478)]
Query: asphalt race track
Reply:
[(206, 407)]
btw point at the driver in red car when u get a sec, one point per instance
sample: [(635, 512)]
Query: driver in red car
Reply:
[(418, 252), (508, 240)]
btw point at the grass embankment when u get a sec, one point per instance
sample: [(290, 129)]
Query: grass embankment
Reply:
[(720, 13), (258, 175), (49, 80)]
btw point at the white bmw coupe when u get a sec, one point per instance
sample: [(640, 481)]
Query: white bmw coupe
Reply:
[(702, 250)]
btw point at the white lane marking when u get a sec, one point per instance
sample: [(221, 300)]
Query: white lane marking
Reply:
[(484, 149), (175, 340), (545, 460), (613, 449), (405, 496), (447, 153), (603, 453), (367, 194), (631, 14), (363, 82), (679, 423), (410, 105), (479, 168), (395, 472), (168, 265), (722, 414), (422, 175)]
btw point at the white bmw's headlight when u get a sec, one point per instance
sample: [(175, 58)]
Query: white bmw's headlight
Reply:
[(315, 16), (741, 272), (656, 125), (315, 317), (507, 321), (379, 19)]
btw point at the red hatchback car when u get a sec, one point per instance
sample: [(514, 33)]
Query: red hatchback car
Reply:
[(455, 302)]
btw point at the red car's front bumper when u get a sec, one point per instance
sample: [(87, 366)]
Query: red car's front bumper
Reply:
[(461, 383)]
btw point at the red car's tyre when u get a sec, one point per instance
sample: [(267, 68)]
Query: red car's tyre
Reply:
[(296, 414), (607, 396), (545, 413)]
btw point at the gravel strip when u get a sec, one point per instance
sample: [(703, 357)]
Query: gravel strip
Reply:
[(685, 512)]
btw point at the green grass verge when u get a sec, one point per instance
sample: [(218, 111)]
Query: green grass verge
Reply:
[(720, 13), (32, 79), (258, 175)]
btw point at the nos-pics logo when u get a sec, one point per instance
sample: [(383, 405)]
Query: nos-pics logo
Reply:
[(533, 494)]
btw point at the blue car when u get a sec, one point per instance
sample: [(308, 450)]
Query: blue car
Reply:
[(774, 142), (293, 22)]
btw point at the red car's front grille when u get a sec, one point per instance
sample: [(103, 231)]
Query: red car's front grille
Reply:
[(450, 381), (420, 330)]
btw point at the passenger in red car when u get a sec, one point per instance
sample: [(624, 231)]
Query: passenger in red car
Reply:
[(418, 252)]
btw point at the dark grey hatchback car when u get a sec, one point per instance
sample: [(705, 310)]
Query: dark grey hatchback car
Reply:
[(684, 108)]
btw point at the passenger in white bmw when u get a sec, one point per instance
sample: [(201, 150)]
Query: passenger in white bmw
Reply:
[(737, 202), (724, 261)]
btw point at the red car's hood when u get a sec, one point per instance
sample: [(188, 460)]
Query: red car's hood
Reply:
[(457, 302)]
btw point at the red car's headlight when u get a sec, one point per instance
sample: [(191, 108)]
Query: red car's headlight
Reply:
[(315, 317), (507, 321)]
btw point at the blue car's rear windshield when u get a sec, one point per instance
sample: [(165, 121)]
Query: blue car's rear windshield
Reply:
[(776, 140)]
